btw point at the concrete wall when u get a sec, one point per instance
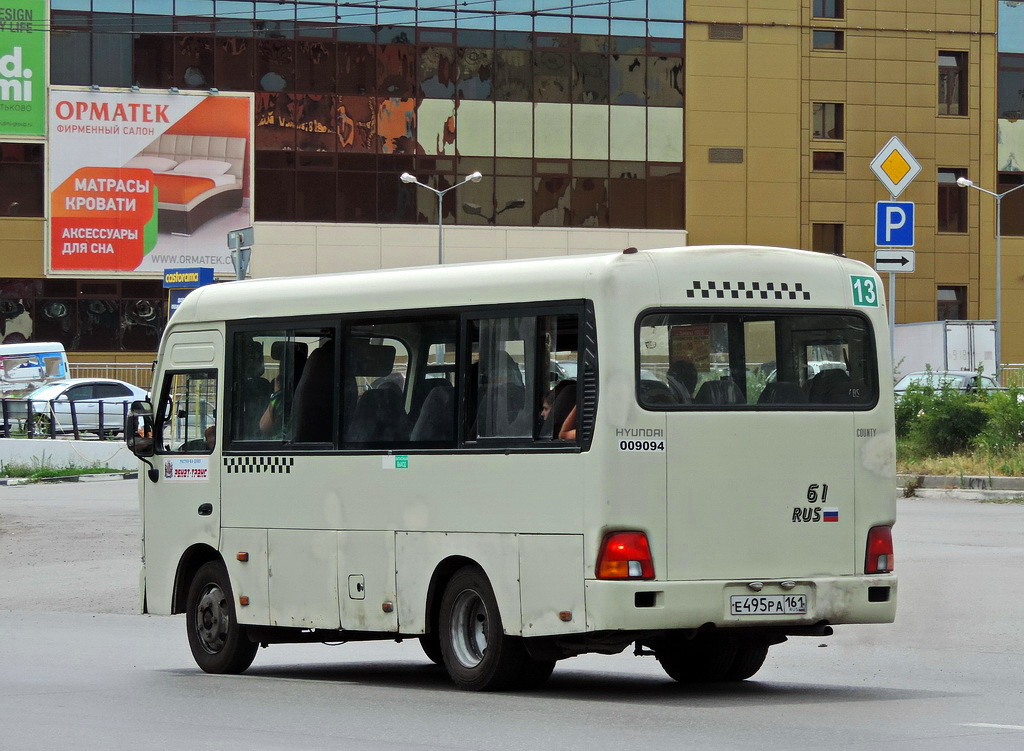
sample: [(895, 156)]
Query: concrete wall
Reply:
[(60, 453), (292, 249)]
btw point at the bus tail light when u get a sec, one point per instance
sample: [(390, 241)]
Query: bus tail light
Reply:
[(625, 555), (880, 554)]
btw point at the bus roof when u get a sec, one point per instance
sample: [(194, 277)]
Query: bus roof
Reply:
[(494, 282), (30, 348)]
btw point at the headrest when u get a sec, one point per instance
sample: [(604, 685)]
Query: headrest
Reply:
[(281, 350), (371, 360)]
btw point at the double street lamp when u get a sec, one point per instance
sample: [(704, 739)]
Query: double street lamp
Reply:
[(963, 182), (411, 180)]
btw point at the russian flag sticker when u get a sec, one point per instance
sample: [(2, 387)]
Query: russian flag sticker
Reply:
[(830, 514)]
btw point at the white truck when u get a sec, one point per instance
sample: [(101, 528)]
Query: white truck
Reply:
[(944, 345)]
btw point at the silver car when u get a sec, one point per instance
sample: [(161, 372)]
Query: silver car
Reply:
[(964, 381), (83, 398)]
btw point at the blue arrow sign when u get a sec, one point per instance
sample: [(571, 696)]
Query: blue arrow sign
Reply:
[(894, 224)]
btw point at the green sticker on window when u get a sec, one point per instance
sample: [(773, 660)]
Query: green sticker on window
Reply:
[(401, 462), (865, 291)]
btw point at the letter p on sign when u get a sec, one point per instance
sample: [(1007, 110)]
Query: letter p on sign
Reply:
[(894, 224)]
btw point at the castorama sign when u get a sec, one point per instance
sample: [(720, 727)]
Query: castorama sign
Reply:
[(22, 67)]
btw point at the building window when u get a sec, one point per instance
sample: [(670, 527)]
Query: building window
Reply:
[(952, 83), (951, 304), (1012, 221), (827, 120), (827, 238), (952, 201), (21, 179), (827, 161), (827, 9), (822, 39)]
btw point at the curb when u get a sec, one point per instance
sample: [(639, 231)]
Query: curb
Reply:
[(101, 477), (961, 482)]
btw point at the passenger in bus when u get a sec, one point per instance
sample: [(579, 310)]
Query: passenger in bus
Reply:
[(210, 434), (682, 378), (271, 420), (556, 406), (568, 430)]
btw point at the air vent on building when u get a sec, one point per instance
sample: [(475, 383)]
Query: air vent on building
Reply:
[(725, 156), (727, 31)]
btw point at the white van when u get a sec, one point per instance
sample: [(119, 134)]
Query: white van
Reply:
[(26, 366), (373, 456)]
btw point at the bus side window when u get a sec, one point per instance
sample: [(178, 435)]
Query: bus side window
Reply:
[(188, 412)]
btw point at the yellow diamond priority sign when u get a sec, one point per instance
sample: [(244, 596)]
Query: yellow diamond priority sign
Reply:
[(895, 166)]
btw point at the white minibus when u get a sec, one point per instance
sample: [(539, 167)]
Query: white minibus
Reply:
[(27, 365), (401, 454)]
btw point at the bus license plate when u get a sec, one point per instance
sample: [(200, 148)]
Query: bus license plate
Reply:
[(768, 604)]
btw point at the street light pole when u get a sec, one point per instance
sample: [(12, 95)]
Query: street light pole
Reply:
[(963, 182), (411, 180)]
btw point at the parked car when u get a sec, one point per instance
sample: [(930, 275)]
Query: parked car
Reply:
[(82, 397), (964, 381)]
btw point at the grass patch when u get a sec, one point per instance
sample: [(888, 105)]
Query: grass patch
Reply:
[(982, 462), (36, 471)]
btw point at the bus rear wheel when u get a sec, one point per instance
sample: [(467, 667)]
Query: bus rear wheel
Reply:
[(477, 654), (219, 644)]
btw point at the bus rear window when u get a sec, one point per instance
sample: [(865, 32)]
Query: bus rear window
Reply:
[(756, 360)]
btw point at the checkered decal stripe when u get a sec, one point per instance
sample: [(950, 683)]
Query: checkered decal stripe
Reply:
[(275, 465), (749, 291)]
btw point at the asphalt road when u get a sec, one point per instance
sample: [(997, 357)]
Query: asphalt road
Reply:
[(78, 670)]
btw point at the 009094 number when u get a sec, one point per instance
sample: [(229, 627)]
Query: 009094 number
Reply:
[(641, 445)]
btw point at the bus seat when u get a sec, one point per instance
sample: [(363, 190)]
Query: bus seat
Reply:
[(561, 408), (379, 417), (657, 393), (254, 392), (312, 418), (826, 386), (501, 409), (722, 391), (423, 391), (782, 392), (436, 417)]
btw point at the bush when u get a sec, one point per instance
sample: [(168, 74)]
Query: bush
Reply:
[(1004, 429), (915, 400), (950, 423)]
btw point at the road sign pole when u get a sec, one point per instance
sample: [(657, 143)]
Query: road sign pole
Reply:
[(892, 315)]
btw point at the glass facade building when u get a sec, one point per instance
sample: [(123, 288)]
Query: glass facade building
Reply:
[(572, 111)]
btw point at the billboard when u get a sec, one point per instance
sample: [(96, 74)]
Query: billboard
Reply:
[(23, 67), (144, 181)]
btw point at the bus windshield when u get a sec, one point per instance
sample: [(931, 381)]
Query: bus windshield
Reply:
[(756, 360)]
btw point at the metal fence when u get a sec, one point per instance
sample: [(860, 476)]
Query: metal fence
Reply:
[(138, 373), (83, 418)]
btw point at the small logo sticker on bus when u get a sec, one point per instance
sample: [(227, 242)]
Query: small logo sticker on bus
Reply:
[(192, 469), (395, 462)]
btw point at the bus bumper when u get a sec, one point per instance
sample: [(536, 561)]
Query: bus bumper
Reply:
[(656, 605)]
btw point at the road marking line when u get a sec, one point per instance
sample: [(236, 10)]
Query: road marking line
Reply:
[(990, 725)]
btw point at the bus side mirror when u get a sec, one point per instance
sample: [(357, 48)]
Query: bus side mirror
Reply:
[(138, 429)]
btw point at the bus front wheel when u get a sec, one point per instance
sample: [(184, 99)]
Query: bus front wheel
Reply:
[(219, 644), (477, 654)]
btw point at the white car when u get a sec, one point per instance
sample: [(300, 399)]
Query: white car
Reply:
[(82, 397)]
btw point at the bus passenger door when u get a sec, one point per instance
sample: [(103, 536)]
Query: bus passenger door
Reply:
[(182, 508)]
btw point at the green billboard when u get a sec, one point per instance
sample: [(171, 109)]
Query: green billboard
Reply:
[(22, 67)]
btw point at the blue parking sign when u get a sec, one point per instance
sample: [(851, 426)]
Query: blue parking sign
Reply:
[(894, 224)]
